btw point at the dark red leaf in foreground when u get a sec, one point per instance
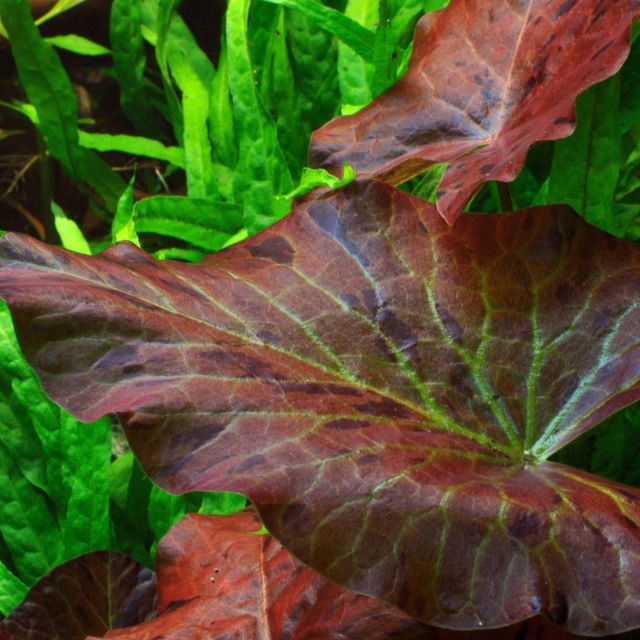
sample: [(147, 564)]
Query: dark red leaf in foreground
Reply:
[(488, 76), (89, 595), (384, 388), (219, 580)]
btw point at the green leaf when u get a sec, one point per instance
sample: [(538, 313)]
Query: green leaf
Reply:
[(201, 179), (342, 26), (630, 88), (354, 71), (69, 232), (223, 504), (134, 145), (129, 61), (586, 166), (221, 123), (26, 523), (202, 223), (428, 184), (49, 90), (280, 95), (262, 172), (85, 526), (165, 509), (314, 56), (78, 44), (311, 179), (12, 590), (123, 226)]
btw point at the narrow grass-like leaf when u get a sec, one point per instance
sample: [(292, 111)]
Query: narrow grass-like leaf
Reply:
[(586, 166), (49, 90), (129, 61), (261, 172), (359, 38), (221, 122), (70, 233), (354, 72), (78, 44), (134, 145), (280, 96), (314, 56), (201, 179), (203, 223), (123, 226)]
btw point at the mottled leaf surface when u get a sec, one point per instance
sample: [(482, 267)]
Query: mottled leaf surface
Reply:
[(217, 579), (384, 388), (479, 101), (89, 595)]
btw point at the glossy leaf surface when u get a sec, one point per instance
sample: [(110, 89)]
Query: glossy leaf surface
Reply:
[(384, 388), (89, 595), (479, 102)]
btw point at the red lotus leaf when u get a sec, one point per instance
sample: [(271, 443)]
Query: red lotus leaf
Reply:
[(488, 78), (217, 579), (96, 592), (386, 389)]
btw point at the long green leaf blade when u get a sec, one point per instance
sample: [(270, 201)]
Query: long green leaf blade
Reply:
[(347, 30)]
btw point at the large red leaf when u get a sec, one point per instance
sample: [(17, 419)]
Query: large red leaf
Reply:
[(218, 580), (89, 595), (384, 388), (488, 78)]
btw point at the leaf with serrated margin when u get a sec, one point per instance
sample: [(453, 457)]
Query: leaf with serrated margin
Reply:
[(480, 102), (89, 595), (386, 390)]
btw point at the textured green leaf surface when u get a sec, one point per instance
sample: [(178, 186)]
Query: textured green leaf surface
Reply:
[(200, 222), (360, 39), (129, 61), (479, 101), (586, 166), (261, 172), (384, 388), (12, 591)]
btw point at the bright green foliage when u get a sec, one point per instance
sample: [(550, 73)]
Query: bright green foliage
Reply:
[(78, 44), (586, 165)]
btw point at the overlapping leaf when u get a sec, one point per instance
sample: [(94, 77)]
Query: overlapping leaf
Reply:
[(89, 595), (384, 388), (218, 579), (488, 79)]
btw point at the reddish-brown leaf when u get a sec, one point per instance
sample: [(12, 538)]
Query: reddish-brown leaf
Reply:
[(488, 78), (89, 595), (218, 580), (385, 388)]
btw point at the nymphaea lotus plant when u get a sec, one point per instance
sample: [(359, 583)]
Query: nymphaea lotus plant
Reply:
[(487, 79), (385, 388)]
